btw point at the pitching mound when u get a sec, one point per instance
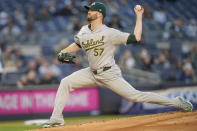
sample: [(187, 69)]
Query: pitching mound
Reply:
[(171, 121)]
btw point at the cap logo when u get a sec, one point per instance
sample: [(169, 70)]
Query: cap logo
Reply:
[(100, 10), (93, 3)]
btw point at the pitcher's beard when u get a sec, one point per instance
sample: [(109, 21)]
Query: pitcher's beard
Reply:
[(91, 18)]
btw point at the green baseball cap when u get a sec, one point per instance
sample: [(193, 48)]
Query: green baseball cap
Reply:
[(97, 6)]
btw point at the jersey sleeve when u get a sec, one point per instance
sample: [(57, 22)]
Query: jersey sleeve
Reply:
[(77, 41), (119, 37), (79, 35)]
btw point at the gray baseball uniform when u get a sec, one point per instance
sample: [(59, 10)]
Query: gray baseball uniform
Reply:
[(99, 46)]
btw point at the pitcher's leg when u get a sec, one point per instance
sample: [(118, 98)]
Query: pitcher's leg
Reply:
[(123, 88), (81, 78)]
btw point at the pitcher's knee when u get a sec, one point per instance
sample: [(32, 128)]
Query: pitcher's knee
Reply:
[(65, 83)]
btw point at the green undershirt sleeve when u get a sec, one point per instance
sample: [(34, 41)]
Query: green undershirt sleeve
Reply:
[(131, 39)]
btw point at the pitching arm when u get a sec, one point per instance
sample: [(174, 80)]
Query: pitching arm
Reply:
[(138, 26)]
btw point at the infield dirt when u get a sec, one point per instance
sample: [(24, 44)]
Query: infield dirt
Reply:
[(170, 121)]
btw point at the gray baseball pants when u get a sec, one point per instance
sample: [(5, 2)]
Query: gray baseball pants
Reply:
[(111, 79)]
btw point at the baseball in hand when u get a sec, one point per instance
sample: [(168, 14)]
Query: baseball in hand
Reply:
[(138, 7)]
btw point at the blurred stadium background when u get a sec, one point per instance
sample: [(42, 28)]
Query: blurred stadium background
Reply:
[(33, 31)]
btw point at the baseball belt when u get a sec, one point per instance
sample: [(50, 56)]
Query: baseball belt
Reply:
[(101, 70)]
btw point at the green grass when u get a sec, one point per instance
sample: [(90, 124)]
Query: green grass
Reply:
[(17, 128), (19, 125)]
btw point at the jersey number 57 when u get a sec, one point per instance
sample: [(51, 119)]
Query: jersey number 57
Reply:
[(98, 51)]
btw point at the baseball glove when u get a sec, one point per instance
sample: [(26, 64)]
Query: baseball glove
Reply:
[(65, 58)]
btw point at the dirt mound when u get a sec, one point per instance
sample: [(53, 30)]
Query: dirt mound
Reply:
[(171, 121)]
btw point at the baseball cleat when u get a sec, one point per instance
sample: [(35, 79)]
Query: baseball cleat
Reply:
[(185, 105), (48, 125)]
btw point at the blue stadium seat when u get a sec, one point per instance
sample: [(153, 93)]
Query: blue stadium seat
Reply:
[(57, 24), (153, 50), (10, 79), (176, 49)]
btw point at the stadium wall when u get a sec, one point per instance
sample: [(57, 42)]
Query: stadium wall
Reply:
[(41, 101), (38, 103)]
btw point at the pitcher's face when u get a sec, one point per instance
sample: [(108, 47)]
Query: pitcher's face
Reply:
[(92, 15)]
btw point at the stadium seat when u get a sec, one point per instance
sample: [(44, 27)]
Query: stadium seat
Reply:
[(10, 79), (176, 49)]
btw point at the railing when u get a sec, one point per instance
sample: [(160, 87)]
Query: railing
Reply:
[(140, 77)]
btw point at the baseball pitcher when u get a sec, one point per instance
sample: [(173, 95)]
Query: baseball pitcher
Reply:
[(99, 42)]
